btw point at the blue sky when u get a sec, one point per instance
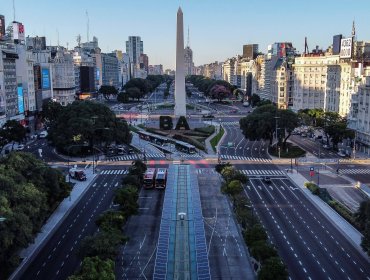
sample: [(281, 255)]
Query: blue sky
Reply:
[(218, 28)]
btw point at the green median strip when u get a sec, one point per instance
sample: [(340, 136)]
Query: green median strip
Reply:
[(214, 141)]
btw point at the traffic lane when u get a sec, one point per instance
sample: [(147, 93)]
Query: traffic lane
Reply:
[(360, 265), (137, 257), (313, 147), (288, 244), (226, 251), (230, 137), (319, 245), (57, 259)]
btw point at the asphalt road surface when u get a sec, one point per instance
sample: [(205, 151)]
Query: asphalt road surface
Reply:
[(58, 258)]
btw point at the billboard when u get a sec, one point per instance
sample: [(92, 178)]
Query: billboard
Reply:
[(20, 99), (346, 48), (45, 73), (2, 26), (18, 31)]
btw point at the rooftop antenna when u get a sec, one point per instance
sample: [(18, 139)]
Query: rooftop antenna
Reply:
[(306, 51), (13, 10), (67, 45), (58, 37), (88, 25)]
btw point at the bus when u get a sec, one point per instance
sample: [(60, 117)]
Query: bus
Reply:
[(151, 137), (149, 178), (185, 147), (161, 178)]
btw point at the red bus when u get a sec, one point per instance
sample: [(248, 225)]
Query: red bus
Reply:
[(149, 178), (161, 178)]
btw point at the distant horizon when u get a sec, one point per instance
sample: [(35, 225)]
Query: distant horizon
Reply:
[(218, 29)]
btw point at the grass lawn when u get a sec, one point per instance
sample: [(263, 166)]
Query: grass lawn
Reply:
[(290, 152), (214, 141)]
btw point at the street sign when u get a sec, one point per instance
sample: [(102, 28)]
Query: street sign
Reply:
[(230, 144), (312, 173), (312, 168)]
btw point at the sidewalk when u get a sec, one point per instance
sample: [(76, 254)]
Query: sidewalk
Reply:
[(54, 221), (348, 230)]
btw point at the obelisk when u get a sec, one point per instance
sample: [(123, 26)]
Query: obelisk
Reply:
[(180, 96)]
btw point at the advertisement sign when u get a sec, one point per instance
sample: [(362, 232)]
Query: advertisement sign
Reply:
[(346, 48), (20, 99), (45, 73), (18, 31)]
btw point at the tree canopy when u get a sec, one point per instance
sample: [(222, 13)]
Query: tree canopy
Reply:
[(29, 191), (108, 91), (13, 131), (87, 123), (261, 124), (94, 268), (217, 89)]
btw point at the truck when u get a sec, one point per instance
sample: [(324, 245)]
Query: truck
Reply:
[(77, 174)]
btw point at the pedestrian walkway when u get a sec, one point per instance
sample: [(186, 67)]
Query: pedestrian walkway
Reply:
[(136, 156), (54, 221), (246, 158), (354, 171), (231, 123), (114, 172), (259, 172)]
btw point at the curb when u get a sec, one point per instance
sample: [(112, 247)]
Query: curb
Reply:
[(318, 207), (26, 262)]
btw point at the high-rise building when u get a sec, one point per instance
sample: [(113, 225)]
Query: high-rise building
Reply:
[(8, 81), (36, 43), (134, 48), (110, 71), (336, 43), (155, 69), (144, 62), (64, 85), (2, 27), (188, 59), (250, 51)]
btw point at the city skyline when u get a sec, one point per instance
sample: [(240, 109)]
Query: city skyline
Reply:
[(242, 26)]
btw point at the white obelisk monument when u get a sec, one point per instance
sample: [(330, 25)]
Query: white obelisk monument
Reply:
[(180, 96)]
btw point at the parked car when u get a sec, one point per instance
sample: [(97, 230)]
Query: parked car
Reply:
[(303, 134), (208, 116), (43, 134), (341, 154), (20, 147), (326, 147)]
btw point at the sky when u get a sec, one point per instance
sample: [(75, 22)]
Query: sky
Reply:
[(218, 28)]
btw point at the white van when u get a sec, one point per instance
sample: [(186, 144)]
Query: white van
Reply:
[(43, 134)]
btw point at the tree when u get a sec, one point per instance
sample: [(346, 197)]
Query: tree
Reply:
[(127, 198), (335, 128), (134, 93), (87, 123), (110, 220), (51, 110), (363, 219), (219, 92), (261, 124), (234, 187), (13, 131), (262, 251), (108, 91), (255, 99), (94, 268), (123, 97), (254, 234), (137, 168), (141, 84), (221, 166), (29, 191), (273, 269), (103, 245)]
